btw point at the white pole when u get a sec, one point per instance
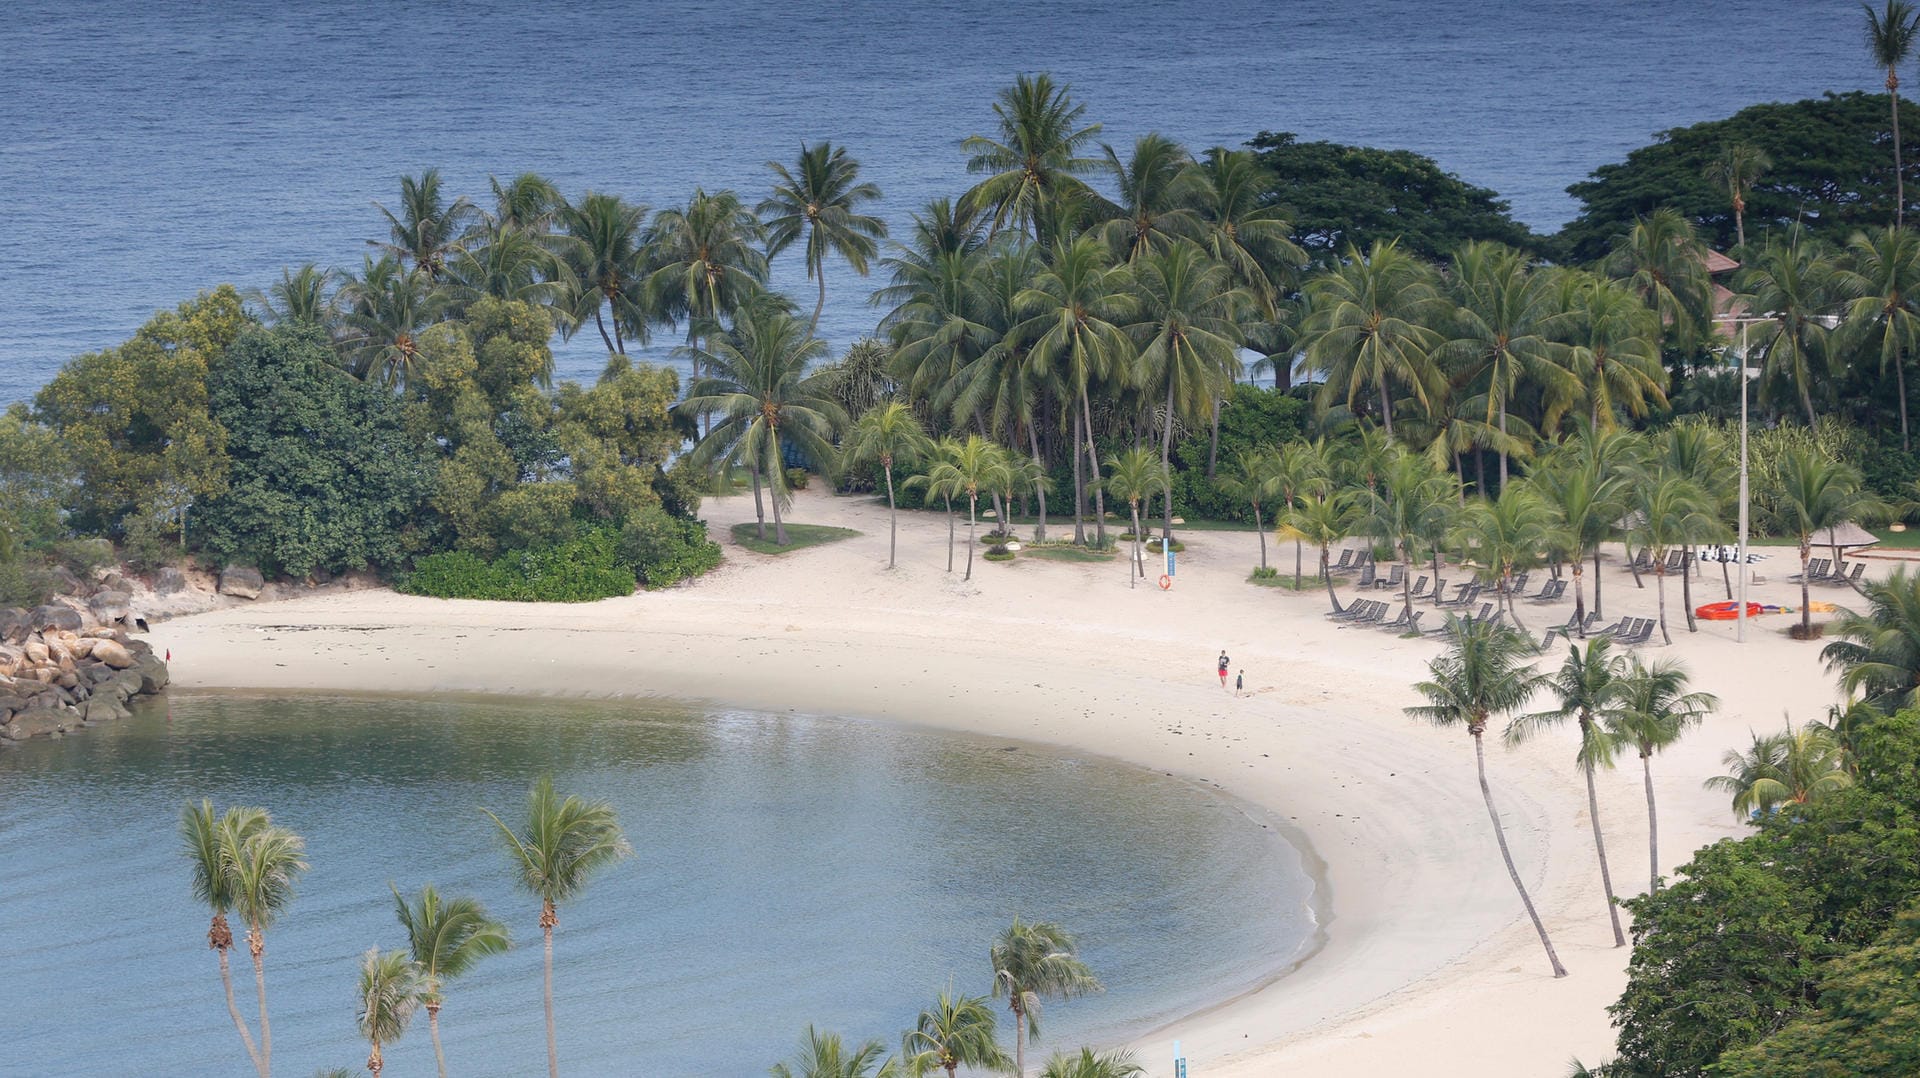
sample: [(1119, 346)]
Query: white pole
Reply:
[(1740, 632)]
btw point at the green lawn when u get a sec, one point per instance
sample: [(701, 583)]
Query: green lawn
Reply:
[(1065, 552), (799, 536), (1889, 540)]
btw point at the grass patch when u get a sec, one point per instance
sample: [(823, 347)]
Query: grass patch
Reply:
[(998, 555), (799, 536), (1285, 581), (1065, 552), (1153, 546)]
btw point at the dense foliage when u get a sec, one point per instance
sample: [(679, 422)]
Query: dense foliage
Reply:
[(577, 571)]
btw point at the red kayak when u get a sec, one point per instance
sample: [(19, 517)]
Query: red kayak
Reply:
[(1726, 611)]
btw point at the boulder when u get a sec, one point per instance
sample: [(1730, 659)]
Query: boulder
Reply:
[(112, 580), (113, 654), (241, 582), (13, 619), (109, 607), (36, 652), (69, 584), (36, 723), (169, 581), (55, 616), (81, 647), (153, 675)]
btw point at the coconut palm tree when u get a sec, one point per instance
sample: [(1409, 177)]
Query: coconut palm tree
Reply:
[(390, 992), (427, 230), (944, 483), (1323, 517), (1505, 534), (529, 202), (1370, 330), (562, 842), (209, 843), (1118, 1063), (1503, 335), (1878, 652), (1299, 469), (509, 262), (887, 433), (974, 465), (1586, 503), (710, 262), (388, 309), (1790, 278), (1809, 492), (1033, 159), (1796, 767), (817, 200), (1157, 188), (1586, 688), (1653, 712), (1250, 478), (1669, 511), (1402, 508), (1890, 40), (824, 1055), (1238, 229), (1134, 475), (1736, 167), (607, 251), (445, 939), (759, 386), (1484, 673), (1032, 962), (300, 295), (1189, 337), (1663, 262), (1883, 274), (262, 862), (1615, 351), (957, 1031)]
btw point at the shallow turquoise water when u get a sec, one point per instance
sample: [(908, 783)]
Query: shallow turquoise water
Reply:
[(788, 869)]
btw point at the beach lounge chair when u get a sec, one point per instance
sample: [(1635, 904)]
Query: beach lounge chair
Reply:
[(1485, 609), (1551, 592), (1816, 569), (1641, 562), (1467, 593), (1353, 610), (1366, 575), (1398, 624), (1675, 559), (1413, 623), (1419, 588), (1519, 583), (1852, 579), (1640, 634), (1439, 588), (1371, 617), (1345, 564), (1615, 630), (1394, 577)]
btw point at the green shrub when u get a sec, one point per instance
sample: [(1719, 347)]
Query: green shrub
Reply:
[(664, 550), (585, 569), (998, 552), (1265, 573), (797, 478)]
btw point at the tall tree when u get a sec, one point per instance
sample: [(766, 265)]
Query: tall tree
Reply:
[(1890, 39), (1249, 478), (818, 201), (1484, 673), (1035, 156), (607, 249), (957, 1031), (1503, 335), (1807, 493), (1614, 355), (560, 844), (444, 940), (825, 1055), (1735, 168), (389, 309), (1370, 330), (262, 861), (300, 295), (888, 433), (1506, 534), (1790, 280), (1322, 517), (1035, 961), (209, 841), (1669, 511), (1134, 475), (974, 465), (710, 262), (1253, 239), (428, 228), (390, 992), (1794, 767), (1653, 712), (1663, 262), (1401, 510), (1883, 274), (1878, 651), (1157, 187)]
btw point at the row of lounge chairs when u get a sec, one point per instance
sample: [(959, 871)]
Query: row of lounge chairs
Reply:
[(1630, 631), (1818, 573), (1643, 562)]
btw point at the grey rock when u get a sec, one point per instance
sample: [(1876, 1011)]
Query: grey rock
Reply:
[(153, 675), (33, 724), (169, 581), (108, 607), (55, 616), (241, 582)]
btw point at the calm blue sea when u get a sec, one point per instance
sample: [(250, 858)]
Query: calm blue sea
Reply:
[(149, 150)]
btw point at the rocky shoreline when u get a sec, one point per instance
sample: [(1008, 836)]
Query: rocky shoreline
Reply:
[(59, 673)]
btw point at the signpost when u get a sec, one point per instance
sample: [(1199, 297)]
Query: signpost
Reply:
[(1179, 1061)]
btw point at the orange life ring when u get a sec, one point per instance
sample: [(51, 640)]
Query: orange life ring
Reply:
[(1166, 582)]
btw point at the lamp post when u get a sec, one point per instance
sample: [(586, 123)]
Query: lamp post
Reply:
[(1740, 616)]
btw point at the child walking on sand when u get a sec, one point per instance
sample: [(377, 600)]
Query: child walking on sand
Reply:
[(1224, 663), (1239, 682)]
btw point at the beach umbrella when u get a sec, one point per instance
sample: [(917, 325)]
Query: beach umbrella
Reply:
[(1844, 535)]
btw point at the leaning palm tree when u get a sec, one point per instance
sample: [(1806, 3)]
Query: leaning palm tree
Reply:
[(1369, 331), (1735, 168), (561, 844), (391, 990), (1506, 534), (1033, 159), (1484, 673), (1085, 1063), (262, 861), (1322, 518), (1796, 767), (888, 433), (1653, 712), (1134, 475), (957, 1031), (1883, 274), (1669, 511), (1878, 652), (209, 842), (445, 939), (1034, 961), (818, 200), (1890, 40), (427, 230), (607, 254), (975, 465), (1586, 688), (1809, 492), (825, 1055)]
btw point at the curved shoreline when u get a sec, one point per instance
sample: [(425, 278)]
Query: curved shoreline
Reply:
[(1418, 922)]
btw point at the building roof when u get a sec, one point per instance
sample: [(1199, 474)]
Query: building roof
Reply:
[(1717, 263)]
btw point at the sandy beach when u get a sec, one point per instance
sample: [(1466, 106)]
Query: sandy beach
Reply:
[(1428, 965)]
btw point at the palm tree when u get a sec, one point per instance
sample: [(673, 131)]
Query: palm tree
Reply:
[(1484, 673), (1669, 511), (445, 939), (510, 262), (1505, 324), (817, 200), (1790, 279), (1654, 711), (1189, 338), (1035, 961), (390, 991), (1586, 502), (888, 432), (1322, 517), (1810, 492), (1252, 239), (1250, 478), (562, 843), (209, 846), (974, 465), (1402, 510), (1076, 307), (607, 251), (1884, 276), (1369, 330), (944, 483), (957, 1031), (300, 295), (1797, 767), (1133, 476), (1118, 1063), (709, 261), (1587, 688), (940, 326), (1157, 189), (759, 386), (1299, 469), (388, 310), (529, 202), (1878, 653), (1663, 262), (1505, 534), (427, 229), (262, 861), (824, 1055), (1735, 168), (1614, 351), (1890, 40), (1035, 156)]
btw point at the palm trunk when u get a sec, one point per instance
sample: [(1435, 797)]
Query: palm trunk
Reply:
[(1686, 590), (1806, 615), (1506, 589), (1660, 580), (773, 493), (1213, 440), (1262, 530), (1296, 565), (1726, 577), (759, 507), (1435, 596), (257, 946), (820, 306), (973, 502), (1627, 546), (1386, 409), (1093, 465), (1019, 1044), (1135, 570), (1166, 473), (1500, 833), (1597, 608), (949, 535), (1806, 401), (220, 930), (1600, 842), (1579, 596), (433, 1030), (1039, 484), (374, 1063), (548, 918), (1406, 581), (1328, 578), (1900, 381), (1653, 826), (893, 527), (1079, 489), (598, 321), (1899, 186), (1503, 448)]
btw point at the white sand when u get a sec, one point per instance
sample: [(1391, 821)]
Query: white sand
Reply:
[(1429, 965)]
